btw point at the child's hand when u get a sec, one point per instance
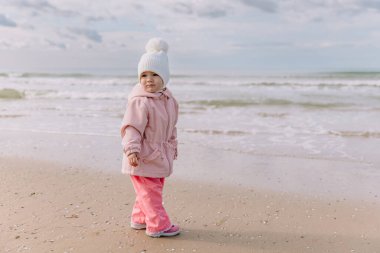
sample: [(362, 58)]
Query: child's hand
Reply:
[(133, 159)]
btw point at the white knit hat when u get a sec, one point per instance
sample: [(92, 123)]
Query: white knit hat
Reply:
[(155, 59)]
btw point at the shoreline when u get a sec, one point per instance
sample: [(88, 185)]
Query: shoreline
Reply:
[(52, 207), (327, 178)]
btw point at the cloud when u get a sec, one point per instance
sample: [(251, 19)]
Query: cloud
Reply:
[(43, 6), (194, 28), (55, 44), (137, 6), (4, 45), (88, 33), (183, 8), (95, 19), (36, 4), (371, 4), (212, 12), (264, 5), (4, 21), (309, 10), (204, 9), (263, 44)]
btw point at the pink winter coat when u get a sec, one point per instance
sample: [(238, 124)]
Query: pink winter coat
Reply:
[(149, 128)]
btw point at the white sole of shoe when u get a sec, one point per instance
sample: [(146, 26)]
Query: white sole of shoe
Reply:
[(163, 234), (138, 226)]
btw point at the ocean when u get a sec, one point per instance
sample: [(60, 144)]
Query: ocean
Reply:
[(309, 132), (317, 115)]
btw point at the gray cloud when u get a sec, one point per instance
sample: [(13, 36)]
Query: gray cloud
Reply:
[(183, 8), (95, 19), (4, 45), (138, 7), (200, 10), (262, 44), (4, 21), (371, 4), (212, 13), (330, 8), (56, 44), (88, 33), (39, 6), (264, 5)]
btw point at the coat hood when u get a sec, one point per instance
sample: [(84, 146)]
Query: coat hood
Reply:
[(138, 91)]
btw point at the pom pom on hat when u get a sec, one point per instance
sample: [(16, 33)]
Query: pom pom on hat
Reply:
[(155, 59), (156, 45)]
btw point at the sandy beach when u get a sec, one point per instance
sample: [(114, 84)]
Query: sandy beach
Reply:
[(287, 165), (53, 207)]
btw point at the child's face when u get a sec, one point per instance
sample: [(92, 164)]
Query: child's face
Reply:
[(151, 82)]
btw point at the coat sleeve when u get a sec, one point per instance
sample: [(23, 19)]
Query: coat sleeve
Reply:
[(133, 125), (173, 138)]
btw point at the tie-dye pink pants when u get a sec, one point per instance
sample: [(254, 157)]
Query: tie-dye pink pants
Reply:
[(148, 208)]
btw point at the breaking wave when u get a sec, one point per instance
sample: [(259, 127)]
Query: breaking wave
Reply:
[(265, 102), (11, 94), (364, 134)]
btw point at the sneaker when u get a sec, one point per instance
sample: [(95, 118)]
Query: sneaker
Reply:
[(138, 226), (172, 231)]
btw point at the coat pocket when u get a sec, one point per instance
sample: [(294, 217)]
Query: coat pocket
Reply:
[(146, 159)]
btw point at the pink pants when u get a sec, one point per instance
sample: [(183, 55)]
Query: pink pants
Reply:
[(148, 208)]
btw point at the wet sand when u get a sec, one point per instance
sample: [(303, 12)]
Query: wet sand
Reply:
[(55, 207)]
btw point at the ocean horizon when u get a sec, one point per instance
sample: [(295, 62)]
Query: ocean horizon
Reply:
[(132, 72)]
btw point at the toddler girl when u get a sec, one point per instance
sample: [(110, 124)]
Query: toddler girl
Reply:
[(149, 139)]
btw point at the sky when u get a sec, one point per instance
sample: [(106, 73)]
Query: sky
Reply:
[(209, 36)]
